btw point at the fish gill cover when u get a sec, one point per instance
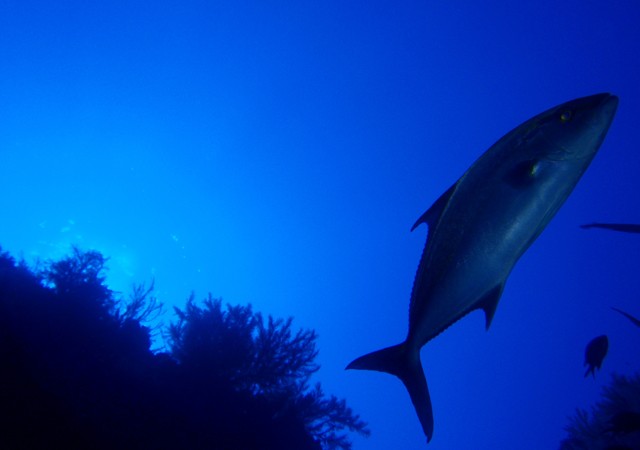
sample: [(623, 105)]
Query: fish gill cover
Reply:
[(78, 371)]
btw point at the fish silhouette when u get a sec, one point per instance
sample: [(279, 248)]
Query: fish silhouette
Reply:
[(480, 226), (635, 321), (624, 227), (594, 354)]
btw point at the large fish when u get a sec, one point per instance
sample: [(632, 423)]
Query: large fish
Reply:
[(481, 226)]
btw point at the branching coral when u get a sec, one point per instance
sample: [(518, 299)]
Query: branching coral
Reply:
[(78, 371), (614, 422), (265, 358)]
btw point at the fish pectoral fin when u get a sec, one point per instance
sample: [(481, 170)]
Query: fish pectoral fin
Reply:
[(432, 214), (489, 302), (525, 173)]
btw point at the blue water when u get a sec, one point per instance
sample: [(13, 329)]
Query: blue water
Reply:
[(277, 153)]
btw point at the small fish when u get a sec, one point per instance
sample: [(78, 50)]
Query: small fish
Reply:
[(624, 227), (594, 354), (482, 225), (635, 321)]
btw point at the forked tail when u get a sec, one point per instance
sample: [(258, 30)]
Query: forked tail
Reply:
[(404, 364)]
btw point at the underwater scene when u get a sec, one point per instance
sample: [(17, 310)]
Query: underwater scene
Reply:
[(320, 225)]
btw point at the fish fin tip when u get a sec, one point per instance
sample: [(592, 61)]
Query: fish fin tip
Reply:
[(489, 303), (434, 211), (416, 384), (422, 219), (388, 360)]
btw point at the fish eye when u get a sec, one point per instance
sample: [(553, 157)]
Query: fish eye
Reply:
[(565, 116)]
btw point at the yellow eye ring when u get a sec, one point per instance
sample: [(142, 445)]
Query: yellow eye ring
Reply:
[(565, 116)]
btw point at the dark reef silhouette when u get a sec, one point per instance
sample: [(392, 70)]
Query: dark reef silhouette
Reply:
[(78, 372), (614, 422)]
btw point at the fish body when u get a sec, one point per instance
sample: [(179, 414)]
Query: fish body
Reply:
[(624, 227), (594, 354), (481, 226), (633, 320)]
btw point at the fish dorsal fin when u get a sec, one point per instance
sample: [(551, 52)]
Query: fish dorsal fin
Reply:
[(489, 302), (432, 214)]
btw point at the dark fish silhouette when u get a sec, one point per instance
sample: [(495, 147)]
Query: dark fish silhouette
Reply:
[(625, 227), (595, 353), (635, 321), (479, 228)]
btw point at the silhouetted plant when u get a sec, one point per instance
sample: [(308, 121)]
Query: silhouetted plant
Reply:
[(81, 275), (613, 422), (17, 275), (328, 418), (78, 371), (282, 361), (141, 306), (265, 359), (215, 343), (78, 269)]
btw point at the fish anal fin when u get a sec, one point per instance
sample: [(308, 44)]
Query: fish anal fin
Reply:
[(436, 209), (489, 302)]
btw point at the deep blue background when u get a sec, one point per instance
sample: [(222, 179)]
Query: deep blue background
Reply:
[(278, 152)]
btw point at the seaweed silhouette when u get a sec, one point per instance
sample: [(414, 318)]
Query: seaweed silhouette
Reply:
[(78, 371), (613, 422), (266, 359)]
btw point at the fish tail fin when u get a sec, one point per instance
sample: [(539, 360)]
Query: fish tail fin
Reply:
[(404, 364)]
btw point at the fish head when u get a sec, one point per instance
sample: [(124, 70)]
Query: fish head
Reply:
[(570, 132)]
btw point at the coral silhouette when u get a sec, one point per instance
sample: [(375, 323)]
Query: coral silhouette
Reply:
[(238, 349), (78, 371), (614, 422)]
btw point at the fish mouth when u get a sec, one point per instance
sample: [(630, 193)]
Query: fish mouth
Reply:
[(605, 101), (597, 113), (608, 104), (603, 106), (604, 110)]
